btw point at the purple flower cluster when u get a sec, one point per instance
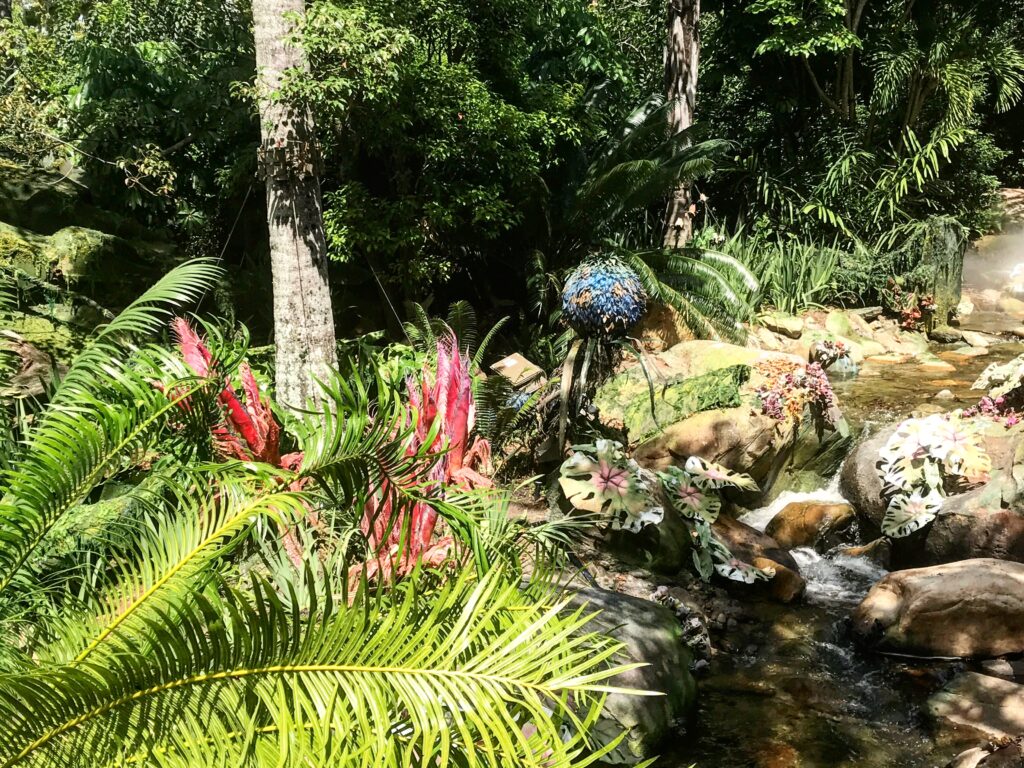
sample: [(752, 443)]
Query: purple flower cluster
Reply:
[(790, 392), (987, 406), (772, 403), (995, 408)]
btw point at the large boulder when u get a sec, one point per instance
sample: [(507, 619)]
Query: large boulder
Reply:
[(818, 524), (985, 707), (653, 637), (973, 608), (987, 521)]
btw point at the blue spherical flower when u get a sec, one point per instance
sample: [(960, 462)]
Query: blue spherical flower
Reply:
[(603, 298)]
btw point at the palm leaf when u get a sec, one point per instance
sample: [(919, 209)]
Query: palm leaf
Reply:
[(447, 675)]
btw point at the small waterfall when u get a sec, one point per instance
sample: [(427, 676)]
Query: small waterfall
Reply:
[(834, 579), (759, 518)]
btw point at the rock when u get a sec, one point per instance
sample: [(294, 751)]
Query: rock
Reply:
[(973, 608), (783, 324), (1017, 331), (868, 313), (970, 758), (944, 394), (708, 408), (935, 365), (990, 756), (976, 339), (653, 637), (878, 551), (1004, 668), (986, 706), (35, 368), (944, 334), (889, 358), (965, 307), (967, 351), (762, 551), (1011, 306), (811, 524), (988, 299)]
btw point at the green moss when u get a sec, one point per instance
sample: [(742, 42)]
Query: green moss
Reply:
[(682, 398)]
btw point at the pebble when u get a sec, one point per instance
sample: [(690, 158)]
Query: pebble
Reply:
[(944, 394)]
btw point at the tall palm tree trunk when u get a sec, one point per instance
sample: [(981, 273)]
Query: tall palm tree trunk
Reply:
[(682, 56), (303, 317)]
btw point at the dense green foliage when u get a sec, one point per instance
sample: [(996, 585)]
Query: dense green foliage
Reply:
[(152, 616), (464, 144)]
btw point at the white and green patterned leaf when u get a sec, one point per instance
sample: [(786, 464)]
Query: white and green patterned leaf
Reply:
[(910, 512), (600, 479), (688, 498), (708, 474)]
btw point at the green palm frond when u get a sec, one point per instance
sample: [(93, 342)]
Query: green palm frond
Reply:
[(145, 316), (470, 672), (173, 555), (711, 291), (104, 416)]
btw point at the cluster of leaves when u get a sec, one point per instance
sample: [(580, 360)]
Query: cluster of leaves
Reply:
[(925, 460), (1004, 401), (174, 629), (791, 388), (602, 480), (853, 118)]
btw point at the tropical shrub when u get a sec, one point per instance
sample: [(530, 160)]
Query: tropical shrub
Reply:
[(925, 460), (603, 481), (175, 630)]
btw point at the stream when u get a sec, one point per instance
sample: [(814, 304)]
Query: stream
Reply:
[(787, 688)]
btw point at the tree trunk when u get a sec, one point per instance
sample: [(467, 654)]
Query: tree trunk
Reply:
[(5, 9), (682, 55), (289, 160)]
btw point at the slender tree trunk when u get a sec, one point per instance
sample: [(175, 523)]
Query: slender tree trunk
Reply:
[(290, 160), (682, 56), (5, 9)]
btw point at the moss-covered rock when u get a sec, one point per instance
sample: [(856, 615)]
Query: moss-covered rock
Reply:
[(682, 397)]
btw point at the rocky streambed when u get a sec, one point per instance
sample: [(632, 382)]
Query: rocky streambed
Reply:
[(864, 650)]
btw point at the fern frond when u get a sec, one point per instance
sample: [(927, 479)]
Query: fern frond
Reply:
[(453, 673)]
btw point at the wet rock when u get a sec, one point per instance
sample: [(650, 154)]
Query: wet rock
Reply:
[(878, 551), (944, 394), (652, 636), (751, 546), (973, 608), (944, 334), (811, 524), (978, 704), (783, 324), (1018, 331)]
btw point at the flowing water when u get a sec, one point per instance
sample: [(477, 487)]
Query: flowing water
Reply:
[(796, 693), (788, 688)]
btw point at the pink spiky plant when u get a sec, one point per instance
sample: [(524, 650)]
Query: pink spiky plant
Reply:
[(442, 410)]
